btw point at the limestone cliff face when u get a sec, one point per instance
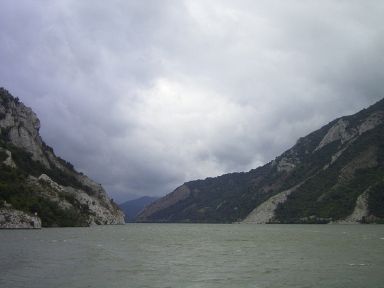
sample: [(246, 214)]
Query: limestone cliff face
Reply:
[(16, 219), (332, 175), (101, 210), (21, 126), (50, 178)]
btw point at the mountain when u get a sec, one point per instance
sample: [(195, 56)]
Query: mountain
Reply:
[(333, 175), (37, 187), (132, 207)]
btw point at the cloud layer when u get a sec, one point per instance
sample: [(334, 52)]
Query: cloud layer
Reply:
[(144, 95)]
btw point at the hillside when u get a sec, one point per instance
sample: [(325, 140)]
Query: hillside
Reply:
[(132, 207), (335, 174), (39, 188)]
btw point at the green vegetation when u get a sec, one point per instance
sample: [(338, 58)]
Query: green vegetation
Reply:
[(26, 164), (326, 195), (376, 200), (3, 156), (15, 190)]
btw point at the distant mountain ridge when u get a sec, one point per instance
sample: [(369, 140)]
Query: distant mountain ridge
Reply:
[(132, 208), (37, 187), (333, 175)]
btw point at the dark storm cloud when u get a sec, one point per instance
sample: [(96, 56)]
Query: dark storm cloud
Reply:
[(144, 95)]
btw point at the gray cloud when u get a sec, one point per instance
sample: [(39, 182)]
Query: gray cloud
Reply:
[(144, 95)]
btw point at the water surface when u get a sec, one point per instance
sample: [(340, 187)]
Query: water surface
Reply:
[(194, 255)]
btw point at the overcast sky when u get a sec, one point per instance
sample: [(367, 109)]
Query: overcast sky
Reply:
[(145, 95)]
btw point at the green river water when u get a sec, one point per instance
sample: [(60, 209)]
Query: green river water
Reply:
[(194, 255)]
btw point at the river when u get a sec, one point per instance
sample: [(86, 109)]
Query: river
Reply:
[(194, 255)]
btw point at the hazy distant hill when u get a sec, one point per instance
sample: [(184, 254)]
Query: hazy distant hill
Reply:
[(36, 186), (132, 207), (335, 174)]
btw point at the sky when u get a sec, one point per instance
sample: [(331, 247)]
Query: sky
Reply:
[(144, 95)]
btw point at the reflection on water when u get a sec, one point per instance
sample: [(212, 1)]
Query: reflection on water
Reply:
[(194, 255)]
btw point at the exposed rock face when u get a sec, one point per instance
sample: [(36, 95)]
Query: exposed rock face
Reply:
[(179, 194), (50, 177), (45, 178), (337, 132), (23, 127), (265, 212), (15, 219), (285, 164), (8, 161), (341, 130), (101, 212), (371, 122), (321, 179), (359, 213)]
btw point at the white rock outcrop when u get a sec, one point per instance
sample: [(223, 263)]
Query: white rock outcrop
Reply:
[(285, 164), (100, 208), (360, 211), (45, 179), (340, 130), (23, 129), (15, 219), (371, 122), (101, 213), (9, 161), (335, 133), (265, 212)]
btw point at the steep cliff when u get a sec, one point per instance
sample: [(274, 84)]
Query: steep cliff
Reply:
[(334, 174), (37, 182)]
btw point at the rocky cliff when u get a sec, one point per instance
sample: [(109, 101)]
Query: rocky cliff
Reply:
[(333, 175), (15, 219), (34, 181)]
